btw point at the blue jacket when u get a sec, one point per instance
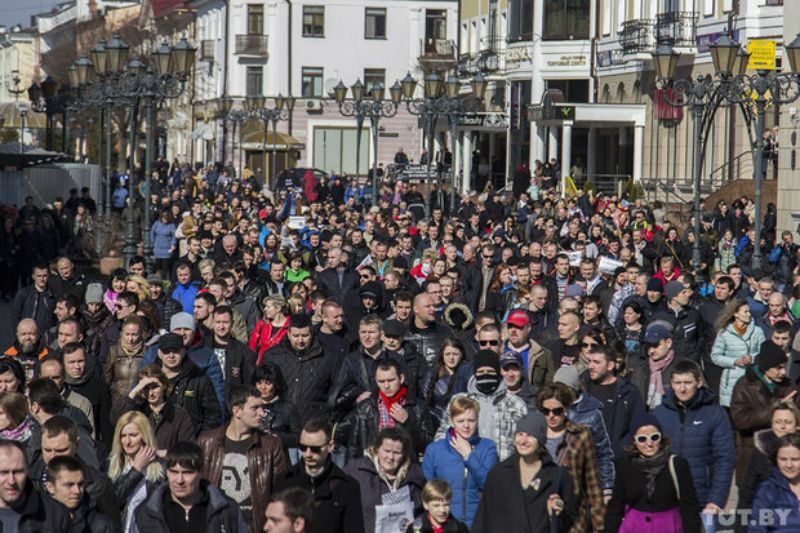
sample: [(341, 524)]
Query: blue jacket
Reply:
[(466, 478), (727, 348), (774, 494), (185, 294), (163, 238), (701, 433), (588, 411)]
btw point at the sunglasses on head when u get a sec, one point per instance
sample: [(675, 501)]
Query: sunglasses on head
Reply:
[(314, 449), (641, 439), (489, 343), (558, 411)]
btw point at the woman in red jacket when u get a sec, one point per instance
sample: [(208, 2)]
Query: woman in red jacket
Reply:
[(271, 329)]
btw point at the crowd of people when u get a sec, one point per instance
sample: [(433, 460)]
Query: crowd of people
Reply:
[(289, 361)]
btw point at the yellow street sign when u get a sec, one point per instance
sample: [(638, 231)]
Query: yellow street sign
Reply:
[(762, 54)]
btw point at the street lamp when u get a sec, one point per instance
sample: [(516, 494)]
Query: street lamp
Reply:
[(237, 117), (730, 85), (443, 99), (283, 109), (121, 82), (373, 107)]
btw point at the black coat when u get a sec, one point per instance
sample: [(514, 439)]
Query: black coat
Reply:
[(328, 279), (30, 303), (192, 390), (282, 419), (99, 395), (428, 342), (629, 491), (88, 519), (40, 513), (337, 498), (240, 361), (505, 507), (760, 466), (173, 425), (308, 376)]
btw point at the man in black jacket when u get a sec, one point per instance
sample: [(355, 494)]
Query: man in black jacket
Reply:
[(68, 280), (35, 301), (337, 495), (92, 388), (191, 388), (425, 333), (684, 318), (21, 500), (66, 484), (306, 367), (235, 358), (336, 279)]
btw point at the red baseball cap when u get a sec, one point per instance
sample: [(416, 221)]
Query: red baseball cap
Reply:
[(518, 318)]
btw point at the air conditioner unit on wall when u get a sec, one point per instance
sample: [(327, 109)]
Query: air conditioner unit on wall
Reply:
[(313, 105)]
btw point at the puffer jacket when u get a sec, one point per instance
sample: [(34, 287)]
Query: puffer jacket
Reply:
[(727, 348), (222, 515), (497, 419), (701, 432), (122, 370), (465, 476), (265, 462), (308, 376), (772, 497), (726, 255), (588, 411)]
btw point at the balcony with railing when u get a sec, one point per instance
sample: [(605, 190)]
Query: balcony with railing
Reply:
[(207, 50), (637, 38), (251, 45), (677, 29), (437, 54)]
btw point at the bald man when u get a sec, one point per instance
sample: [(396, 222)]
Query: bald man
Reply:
[(425, 332), (27, 347), (776, 312)]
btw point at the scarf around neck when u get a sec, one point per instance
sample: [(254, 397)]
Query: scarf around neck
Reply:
[(385, 405), (655, 390), (21, 433), (651, 467)]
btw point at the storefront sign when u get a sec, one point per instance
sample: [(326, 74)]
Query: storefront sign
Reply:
[(568, 61), (762, 54), (496, 121), (706, 39), (518, 55)]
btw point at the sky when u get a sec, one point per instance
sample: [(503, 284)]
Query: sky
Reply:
[(20, 11)]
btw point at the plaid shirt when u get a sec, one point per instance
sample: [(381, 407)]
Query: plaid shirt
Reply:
[(577, 455), (508, 409)]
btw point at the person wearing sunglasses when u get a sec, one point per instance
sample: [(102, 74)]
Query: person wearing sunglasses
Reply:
[(653, 490), (572, 447), (337, 498)]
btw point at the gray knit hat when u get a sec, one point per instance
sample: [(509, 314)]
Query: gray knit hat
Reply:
[(181, 320), (534, 425), (94, 293)]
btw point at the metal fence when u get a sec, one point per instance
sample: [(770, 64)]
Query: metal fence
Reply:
[(45, 182)]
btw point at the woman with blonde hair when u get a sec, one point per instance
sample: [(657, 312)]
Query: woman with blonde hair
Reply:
[(271, 329), (133, 466), (206, 269), (139, 286)]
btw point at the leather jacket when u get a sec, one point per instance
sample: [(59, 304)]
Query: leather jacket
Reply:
[(428, 341), (265, 461)]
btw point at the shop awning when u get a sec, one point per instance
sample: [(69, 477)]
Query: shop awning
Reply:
[(11, 117), (254, 140), (11, 154)]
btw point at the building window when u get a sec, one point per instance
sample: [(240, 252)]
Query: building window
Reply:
[(255, 81), (435, 24), (375, 23), (255, 19), (566, 19), (312, 82), (335, 150), (575, 91), (373, 76), (520, 20), (313, 21)]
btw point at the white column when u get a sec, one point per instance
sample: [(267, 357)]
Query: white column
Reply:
[(638, 149), (591, 150), (552, 149), (566, 153), (466, 158), (456, 158)]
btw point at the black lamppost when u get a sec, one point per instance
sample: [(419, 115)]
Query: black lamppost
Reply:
[(729, 86), (52, 100), (443, 99), (373, 107), (237, 118), (256, 107), (163, 78)]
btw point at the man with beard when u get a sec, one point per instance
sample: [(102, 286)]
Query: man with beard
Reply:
[(337, 496), (425, 333), (306, 367), (26, 348), (204, 306)]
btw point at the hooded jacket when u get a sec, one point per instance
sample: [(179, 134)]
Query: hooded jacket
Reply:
[(465, 476), (308, 375), (701, 432), (499, 413), (730, 346)]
